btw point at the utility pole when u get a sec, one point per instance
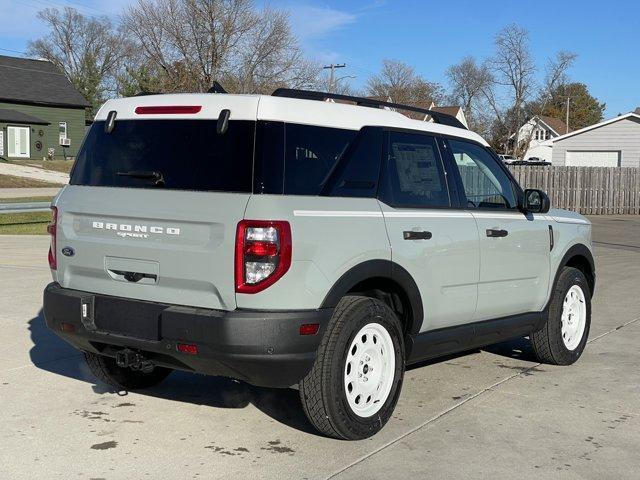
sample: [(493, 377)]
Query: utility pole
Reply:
[(333, 67), (567, 117)]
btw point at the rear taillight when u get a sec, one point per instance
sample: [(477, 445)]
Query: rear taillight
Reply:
[(263, 254), (52, 229)]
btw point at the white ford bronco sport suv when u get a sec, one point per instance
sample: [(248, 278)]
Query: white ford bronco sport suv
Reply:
[(288, 240)]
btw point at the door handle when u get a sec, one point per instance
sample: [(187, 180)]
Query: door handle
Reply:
[(412, 235), (491, 232)]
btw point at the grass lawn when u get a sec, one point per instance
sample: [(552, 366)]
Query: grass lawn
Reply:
[(9, 181), (28, 223), (26, 199), (56, 165)]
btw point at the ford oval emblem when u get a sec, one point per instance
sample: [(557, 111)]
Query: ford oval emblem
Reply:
[(68, 251)]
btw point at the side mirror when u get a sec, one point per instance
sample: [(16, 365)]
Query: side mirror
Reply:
[(535, 201)]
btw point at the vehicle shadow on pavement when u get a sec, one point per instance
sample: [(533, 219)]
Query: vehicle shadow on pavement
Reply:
[(280, 404), (52, 354), (518, 348)]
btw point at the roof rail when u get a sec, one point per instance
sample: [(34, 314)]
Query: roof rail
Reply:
[(438, 117)]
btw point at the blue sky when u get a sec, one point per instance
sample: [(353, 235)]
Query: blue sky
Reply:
[(431, 35)]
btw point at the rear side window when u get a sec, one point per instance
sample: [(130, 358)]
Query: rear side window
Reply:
[(414, 175), (356, 174), (297, 159), (310, 155), (184, 154)]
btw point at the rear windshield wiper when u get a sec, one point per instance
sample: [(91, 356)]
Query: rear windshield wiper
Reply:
[(157, 177)]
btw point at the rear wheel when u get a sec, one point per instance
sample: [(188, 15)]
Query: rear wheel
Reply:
[(356, 379), (563, 338), (107, 371)]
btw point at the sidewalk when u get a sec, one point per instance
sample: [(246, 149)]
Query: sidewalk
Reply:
[(33, 173)]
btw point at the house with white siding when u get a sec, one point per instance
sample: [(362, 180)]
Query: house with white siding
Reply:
[(536, 136), (611, 143)]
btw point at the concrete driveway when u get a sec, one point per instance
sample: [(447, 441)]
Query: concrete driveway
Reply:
[(493, 413)]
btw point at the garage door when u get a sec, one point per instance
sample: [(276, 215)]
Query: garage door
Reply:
[(593, 158)]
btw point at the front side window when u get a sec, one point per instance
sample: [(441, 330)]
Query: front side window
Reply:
[(485, 184), (414, 175)]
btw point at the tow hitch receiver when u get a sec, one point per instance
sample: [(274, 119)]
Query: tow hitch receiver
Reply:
[(129, 359)]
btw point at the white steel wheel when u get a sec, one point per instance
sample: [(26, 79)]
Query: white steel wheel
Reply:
[(369, 370), (574, 317)]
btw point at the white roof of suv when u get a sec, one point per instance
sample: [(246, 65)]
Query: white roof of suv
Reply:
[(281, 109)]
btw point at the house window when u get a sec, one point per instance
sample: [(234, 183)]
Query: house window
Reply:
[(547, 135), (62, 131), (18, 142)]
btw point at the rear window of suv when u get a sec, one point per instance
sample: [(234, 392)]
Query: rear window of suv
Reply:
[(185, 154)]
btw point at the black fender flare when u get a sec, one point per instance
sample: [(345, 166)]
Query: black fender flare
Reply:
[(384, 269), (577, 250)]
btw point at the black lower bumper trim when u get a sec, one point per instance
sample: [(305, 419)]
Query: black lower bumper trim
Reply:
[(263, 348)]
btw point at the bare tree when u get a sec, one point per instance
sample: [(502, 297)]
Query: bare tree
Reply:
[(192, 43), (87, 50), (469, 85), (515, 69), (555, 77), (399, 82)]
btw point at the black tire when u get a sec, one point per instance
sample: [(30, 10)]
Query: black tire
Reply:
[(107, 371), (547, 342), (322, 391)]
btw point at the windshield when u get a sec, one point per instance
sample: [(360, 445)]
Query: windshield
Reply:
[(186, 154)]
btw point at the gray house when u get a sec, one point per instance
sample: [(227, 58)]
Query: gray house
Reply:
[(612, 143), (41, 113)]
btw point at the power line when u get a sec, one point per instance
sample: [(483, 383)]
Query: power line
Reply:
[(14, 51), (83, 9)]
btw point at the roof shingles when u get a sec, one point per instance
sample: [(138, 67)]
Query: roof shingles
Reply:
[(36, 82), (556, 124)]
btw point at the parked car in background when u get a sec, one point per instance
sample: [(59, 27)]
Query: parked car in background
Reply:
[(531, 161), (508, 159)]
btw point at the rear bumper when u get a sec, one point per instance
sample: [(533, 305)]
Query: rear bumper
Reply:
[(263, 348)]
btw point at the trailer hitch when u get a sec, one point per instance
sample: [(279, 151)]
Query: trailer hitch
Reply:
[(128, 358)]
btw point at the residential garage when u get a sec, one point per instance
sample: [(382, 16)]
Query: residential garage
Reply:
[(593, 158), (612, 143)]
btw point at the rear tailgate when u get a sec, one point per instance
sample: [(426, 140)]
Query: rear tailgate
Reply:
[(153, 203), (180, 243)]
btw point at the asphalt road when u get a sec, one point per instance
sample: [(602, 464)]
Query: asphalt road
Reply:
[(27, 192), (493, 413)]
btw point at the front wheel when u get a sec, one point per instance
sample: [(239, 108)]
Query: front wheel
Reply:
[(354, 384), (564, 336)]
